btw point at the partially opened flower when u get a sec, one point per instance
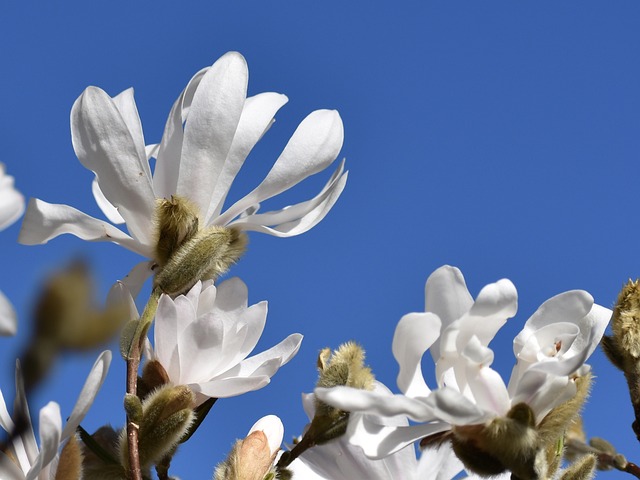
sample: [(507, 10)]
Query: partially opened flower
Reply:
[(472, 399), (11, 207), (24, 460), (340, 460), (203, 339), (210, 131)]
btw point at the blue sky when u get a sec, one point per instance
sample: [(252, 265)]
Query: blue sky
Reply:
[(501, 137)]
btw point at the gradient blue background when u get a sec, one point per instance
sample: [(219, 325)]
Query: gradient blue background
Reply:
[(501, 137)]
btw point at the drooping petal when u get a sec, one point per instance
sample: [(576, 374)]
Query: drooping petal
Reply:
[(447, 296), (295, 219), (50, 428), (313, 146), (8, 317), (92, 385), (257, 117), (357, 400), (165, 174), (44, 221), (104, 145), (415, 333), (379, 441), (210, 127), (109, 210)]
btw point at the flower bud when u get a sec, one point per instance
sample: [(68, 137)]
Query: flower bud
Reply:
[(70, 461), (176, 223), (249, 459), (154, 375), (167, 414), (207, 255), (582, 469)]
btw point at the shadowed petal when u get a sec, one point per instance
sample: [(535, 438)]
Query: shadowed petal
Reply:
[(8, 317), (50, 427)]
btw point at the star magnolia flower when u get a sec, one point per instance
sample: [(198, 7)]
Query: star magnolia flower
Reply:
[(11, 207), (24, 460), (339, 460), (550, 352), (203, 338), (210, 131)]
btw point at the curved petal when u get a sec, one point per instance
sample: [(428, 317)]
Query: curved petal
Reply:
[(109, 210), (488, 389), (165, 174), (385, 405), (126, 105), (104, 145), (295, 219), (8, 317), (44, 221), (313, 146), (452, 407), (230, 387), (447, 296), (257, 117), (379, 441), (210, 127), (50, 427), (88, 393), (415, 333)]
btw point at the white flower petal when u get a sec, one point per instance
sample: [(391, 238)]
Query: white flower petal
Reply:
[(257, 117), (165, 175), (379, 441), (357, 400), (210, 127), (452, 407), (92, 385), (8, 317), (415, 333), (313, 146), (295, 219), (9, 470), (11, 201), (126, 105), (439, 464), (134, 280), (447, 296), (276, 356), (104, 145), (50, 427), (109, 210), (44, 221), (230, 387)]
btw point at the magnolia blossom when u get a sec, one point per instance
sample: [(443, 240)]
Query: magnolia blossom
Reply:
[(550, 351), (11, 207), (339, 460), (24, 460), (203, 338), (211, 129)]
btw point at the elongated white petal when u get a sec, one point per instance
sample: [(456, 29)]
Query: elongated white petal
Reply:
[(415, 333), (447, 296), (109, 210), (273, 428), (8, 317), (257, 117), (452, 407), (126, 105), (20, 404), (295, 219), (50, 427), (140, 273), (313, 146), (44, 221), (9, 470), (210, 128), (230, 387), (92, 385), (104, 145), (165, 175), (356, 400), (275, 356), (379, 441)]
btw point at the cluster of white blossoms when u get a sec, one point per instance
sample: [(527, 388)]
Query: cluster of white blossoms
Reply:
[(205, 332)]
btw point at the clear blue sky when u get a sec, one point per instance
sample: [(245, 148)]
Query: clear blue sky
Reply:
[(501, 137)]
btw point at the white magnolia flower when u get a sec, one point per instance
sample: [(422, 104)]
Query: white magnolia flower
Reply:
[(203, 339), (11, 208), (340, 460), (210, 131), (24, 460), (550, 351)]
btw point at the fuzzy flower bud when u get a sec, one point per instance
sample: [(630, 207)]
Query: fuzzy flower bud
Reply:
[(176, 222)]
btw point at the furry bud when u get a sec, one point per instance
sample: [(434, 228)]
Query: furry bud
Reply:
[(176, 223), (249, 459)]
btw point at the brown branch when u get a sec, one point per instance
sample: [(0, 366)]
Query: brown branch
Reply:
[(133, 362)]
